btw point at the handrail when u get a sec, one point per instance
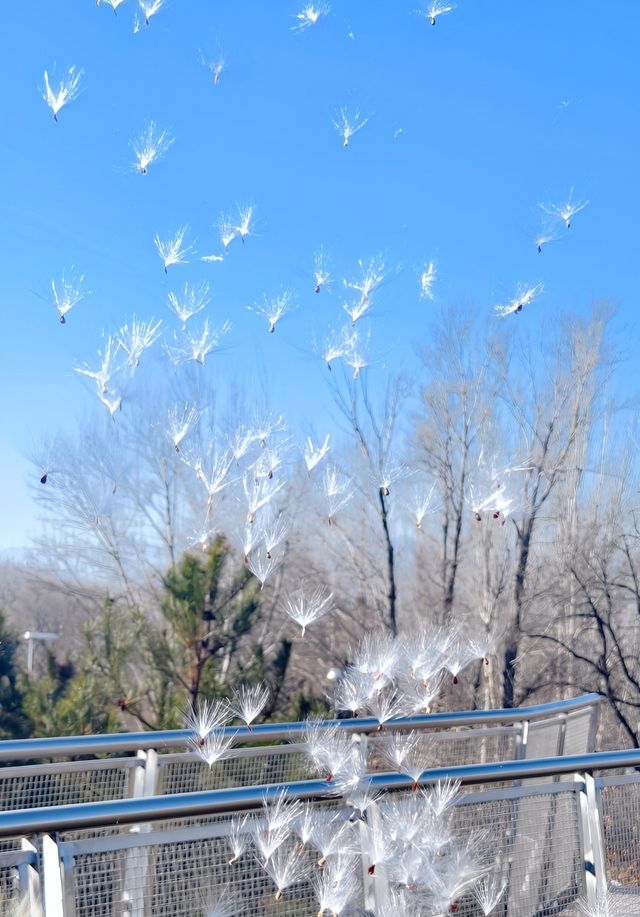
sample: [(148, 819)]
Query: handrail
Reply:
[(275, 732), (91, 815)]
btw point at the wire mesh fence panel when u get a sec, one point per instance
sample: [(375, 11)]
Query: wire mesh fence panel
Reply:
[(579, 735), (187, 773), (10, 894), (448, 749), (185, 879), (528, 840), (532, 845), (543, 739), (36, 787), (620, 825)]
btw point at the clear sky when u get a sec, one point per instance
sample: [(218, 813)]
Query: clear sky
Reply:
[(474, 122)]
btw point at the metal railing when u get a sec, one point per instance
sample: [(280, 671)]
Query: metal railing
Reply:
[(155, 764), (132, 742), (553, 840)]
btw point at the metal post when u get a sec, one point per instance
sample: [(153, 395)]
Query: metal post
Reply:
[(137, 871), (52, 878), (28, 877), (597, 841)]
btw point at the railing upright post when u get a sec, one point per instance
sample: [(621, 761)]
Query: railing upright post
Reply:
[(597, 840), (523, 737), (138, 872), (146, 774), (54, 904), (29, 878)]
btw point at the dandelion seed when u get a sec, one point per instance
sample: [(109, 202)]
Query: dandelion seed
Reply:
[(174, 250), (202, 539), (67, 91), (286, 866), (496, 503), (337, 887), (150, 8), (357, 361), (605, 905), (385, 706), (459, 655), (274, 534), (227, 230), (248, 702), (377, 848), (181, 421), (313, 455), (105, 372), (67, 294), (421, 504), (372, 276), (305, 609), (205, 716), (337, 490), (321, 275), (211, 470), (112, 404), (390, 474), (245, 216), (427, 280), (421, 694), (565, 211), (275, 309), (524, 297), (238, 837), (379, 656), (241, 441), (329, 749), (488, 891), (261, 566), (137, 338), (333, 835), (272, 830), (214, 747), (215, 68), (258, 491), (212, 258), (149, 147), (442, 796), (352, 691), (309, 15), (546, 235), (339, 345), (267, 427), (347, 126), (435, 9), (198, 346), (193, 300), (222, 905), (114, 4)]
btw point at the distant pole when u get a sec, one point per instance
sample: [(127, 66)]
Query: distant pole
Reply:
[(31, 636)]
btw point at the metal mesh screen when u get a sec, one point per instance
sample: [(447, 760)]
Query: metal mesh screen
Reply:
[(531, 841), (448, 749), (620, 821), (578, 738), (9, 888), (187, 773), (181, 879), (33, 789)]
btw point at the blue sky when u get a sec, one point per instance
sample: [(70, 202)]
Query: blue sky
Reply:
[(474, 122)]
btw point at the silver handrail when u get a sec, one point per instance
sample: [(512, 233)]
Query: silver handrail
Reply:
[(276, 732), (220, 802)]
